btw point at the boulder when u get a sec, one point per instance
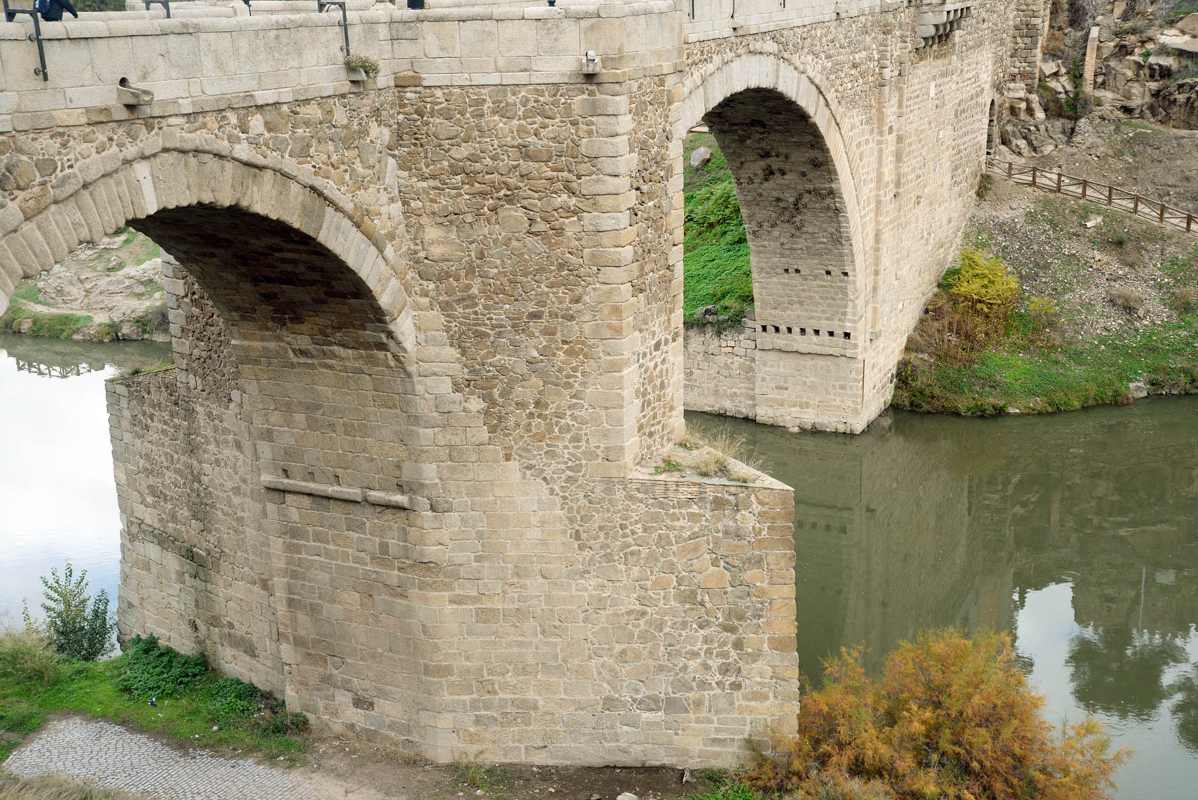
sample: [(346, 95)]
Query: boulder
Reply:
[(1050, 68), (1186, 44), (1188, 24), (699, 157)]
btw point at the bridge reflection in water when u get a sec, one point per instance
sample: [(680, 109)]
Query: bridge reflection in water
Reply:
[(1078, 533), (50, 358)]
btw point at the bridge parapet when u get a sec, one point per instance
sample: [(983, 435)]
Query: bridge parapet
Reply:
[(715, 19), (200, 61)]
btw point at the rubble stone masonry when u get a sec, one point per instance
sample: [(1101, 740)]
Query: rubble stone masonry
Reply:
[(429, 347)]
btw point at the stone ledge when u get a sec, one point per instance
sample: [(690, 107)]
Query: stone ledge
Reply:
[(346, 493)]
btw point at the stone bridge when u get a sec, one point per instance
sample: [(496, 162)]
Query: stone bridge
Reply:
[(428, 334)]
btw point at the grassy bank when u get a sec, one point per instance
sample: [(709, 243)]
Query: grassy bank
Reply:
[(1018, 375), (716, 250), (151, 689), (1107, 311)]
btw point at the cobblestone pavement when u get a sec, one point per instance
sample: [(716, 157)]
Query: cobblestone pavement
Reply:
[(115, 758)]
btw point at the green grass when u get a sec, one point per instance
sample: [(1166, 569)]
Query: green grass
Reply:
[(208, 710), (28, 292), (491, 780), (716, 248), (1036, 380), (731, 790), (52, 326)]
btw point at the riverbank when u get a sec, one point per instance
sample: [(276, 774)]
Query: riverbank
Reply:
[(103, 292), (1107, 313)]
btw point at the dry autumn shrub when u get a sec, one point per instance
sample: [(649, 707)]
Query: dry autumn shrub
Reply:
[(951, 718)]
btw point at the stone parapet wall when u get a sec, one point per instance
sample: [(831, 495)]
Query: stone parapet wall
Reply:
[(198, 63), (714, 19)]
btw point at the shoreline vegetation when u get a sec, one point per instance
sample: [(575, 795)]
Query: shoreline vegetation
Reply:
[(948, 716), (1102, 307)]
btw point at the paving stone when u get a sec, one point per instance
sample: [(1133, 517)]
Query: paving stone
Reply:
[(113, 757)]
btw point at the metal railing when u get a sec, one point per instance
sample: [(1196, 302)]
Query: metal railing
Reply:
[(10, 15), (321, 5), (1095, 192)]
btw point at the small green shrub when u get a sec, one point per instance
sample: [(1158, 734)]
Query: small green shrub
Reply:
[(77, 626), (150, 670), (26, 657), (984, 283)]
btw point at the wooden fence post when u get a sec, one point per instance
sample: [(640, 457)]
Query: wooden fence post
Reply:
[(1059, 178), (1085, 186), (1034, 178)]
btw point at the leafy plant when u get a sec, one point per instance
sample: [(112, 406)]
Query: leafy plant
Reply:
[(77, 626), (153, 671), (950, 717)]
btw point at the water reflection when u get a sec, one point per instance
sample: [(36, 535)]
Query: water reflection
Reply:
[(1079, 533), (57, 497)]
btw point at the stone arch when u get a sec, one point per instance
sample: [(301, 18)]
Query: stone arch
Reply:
[(105, 193), (704, 91), (291, 424), (799, 199)]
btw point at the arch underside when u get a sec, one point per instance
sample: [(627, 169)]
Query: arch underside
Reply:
[(290, 343), (798, 200)]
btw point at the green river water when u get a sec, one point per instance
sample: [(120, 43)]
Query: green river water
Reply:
[(1078, 533)]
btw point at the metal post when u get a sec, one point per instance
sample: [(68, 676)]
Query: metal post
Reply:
[(10, 15), (1085, 185), (1110, 195), (166, 5), (1135, 205), (1162, 213), (1034, 178), (1060, 177), (321, 5)]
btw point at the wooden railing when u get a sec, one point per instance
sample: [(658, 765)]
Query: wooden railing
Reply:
[(1094, 192)]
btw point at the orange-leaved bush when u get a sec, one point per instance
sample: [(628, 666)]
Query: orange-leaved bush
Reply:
[(951, 717)]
